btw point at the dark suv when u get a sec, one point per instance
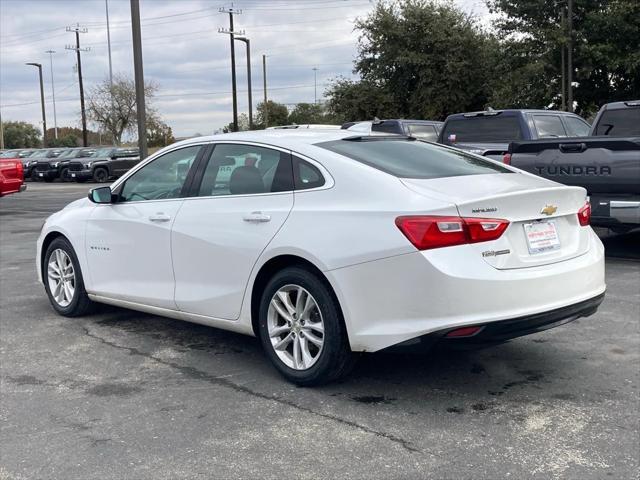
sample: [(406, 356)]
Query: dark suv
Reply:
[(489, 132), (104, 164)]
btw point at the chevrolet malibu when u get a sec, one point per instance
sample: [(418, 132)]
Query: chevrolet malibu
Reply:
[(326, 243)]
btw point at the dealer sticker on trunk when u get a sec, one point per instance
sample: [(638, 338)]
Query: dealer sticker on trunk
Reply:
[(541, 237)]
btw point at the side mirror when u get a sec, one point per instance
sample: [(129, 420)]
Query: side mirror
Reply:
[(100, 195)]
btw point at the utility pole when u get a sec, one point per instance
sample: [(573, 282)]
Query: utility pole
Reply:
[(315, 84), (44, 117), (248, 44), (53, 94), (77, 30), (106, 7), (231, 11), (264, 86), (139, 77), (570, 56), (563, 67)]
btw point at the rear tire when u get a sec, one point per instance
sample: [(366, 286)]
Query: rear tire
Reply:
[(63, 280), (313, 327), (100, 175)]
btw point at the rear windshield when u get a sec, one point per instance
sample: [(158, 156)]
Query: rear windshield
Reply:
[(413, 158), (619, 123), (490, 129)]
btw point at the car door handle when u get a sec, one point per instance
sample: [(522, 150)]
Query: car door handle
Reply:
[(159, 217), (256, 217)]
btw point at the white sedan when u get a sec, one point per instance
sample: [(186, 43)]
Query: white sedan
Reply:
[(324, 243)]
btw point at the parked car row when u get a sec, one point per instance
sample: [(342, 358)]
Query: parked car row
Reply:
[(80, 164)]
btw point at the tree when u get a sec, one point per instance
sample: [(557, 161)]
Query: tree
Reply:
[(21, 135), (307, 113), (606, 52), (159, 134), (421, 59), (277, 114), (349, 100), (243, 124), (72, 137), (114, 109)]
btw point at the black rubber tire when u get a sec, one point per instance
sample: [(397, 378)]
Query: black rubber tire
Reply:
[(100, 175), (81, 304), (336, 359), (64, 175)]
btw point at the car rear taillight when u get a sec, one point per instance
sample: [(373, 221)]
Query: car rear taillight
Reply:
[(506, 159), (584, 215), (427, 232), (20, 169)]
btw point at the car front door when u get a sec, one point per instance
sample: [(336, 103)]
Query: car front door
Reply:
[(128, 243), (242, 197)]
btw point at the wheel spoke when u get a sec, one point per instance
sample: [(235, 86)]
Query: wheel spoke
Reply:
[(312, 338), (301, 298), (307, 358), (286, 301), (297, 354), (277, 331), (316, 326), (281, 309), (282, 344)]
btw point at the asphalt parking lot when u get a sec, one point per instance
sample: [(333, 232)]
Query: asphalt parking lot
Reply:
[(121, 394)]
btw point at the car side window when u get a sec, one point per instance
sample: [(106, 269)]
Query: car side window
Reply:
[(237, 169), (577, 127), (423, 132), (163, 178), (549, 126), (305, 175), (386, 127)]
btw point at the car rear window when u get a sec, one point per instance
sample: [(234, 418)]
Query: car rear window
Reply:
[(413, 158), (619, 123), (491, 128)]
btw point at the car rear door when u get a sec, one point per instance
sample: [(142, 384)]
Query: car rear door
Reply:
[(241, 196)]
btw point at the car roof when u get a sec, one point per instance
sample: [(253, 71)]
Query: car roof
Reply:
[(621, 105), (276, 137), (508, 110)]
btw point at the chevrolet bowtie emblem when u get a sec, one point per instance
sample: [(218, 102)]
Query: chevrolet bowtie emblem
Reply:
[(549, 209)]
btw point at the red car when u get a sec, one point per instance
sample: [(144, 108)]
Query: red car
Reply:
[(11, 176)]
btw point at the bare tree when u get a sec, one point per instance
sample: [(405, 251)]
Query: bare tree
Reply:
[(113, 109)]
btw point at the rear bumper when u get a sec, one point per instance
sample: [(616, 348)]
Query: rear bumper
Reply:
[(392, 300), (501, 331), (612, 211)]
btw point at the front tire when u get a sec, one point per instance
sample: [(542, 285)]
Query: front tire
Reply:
[(63, 280), (100, 175), (301, 328)]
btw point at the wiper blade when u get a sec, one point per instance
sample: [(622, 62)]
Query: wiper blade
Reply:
[(373, 138)]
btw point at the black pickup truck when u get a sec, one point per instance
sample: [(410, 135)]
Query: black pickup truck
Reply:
[(607, 164), (104, 164)]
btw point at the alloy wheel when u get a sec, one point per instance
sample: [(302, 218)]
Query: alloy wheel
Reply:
[(61, 277), (295, 327)]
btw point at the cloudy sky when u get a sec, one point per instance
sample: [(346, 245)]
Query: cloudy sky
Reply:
[(183, 53)]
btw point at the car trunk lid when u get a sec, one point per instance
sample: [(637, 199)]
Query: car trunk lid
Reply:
[(544, 226)]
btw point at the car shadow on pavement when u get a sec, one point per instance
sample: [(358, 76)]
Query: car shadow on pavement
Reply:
[(491, 372)]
